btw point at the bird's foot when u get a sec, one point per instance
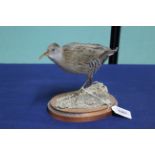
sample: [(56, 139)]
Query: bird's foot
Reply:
[(86, 85)]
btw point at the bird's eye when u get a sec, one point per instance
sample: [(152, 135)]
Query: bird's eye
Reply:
[(53, 49)]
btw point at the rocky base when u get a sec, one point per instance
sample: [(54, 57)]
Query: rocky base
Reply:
[(86, 104), (92, 97)]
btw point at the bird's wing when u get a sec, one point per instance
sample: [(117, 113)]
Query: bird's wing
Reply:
[(83, 53), (80, 55), (76, 45)]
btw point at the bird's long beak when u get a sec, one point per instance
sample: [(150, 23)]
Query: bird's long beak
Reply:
[(44, 54)]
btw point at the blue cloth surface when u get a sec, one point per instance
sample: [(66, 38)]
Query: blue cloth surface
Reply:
[(25, 90)]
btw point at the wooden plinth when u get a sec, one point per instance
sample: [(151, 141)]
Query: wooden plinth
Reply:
[(79, 115)]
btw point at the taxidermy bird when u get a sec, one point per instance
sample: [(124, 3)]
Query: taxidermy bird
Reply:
[(79, 58)]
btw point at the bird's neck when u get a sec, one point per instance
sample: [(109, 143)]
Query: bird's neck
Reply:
[(58, 58)]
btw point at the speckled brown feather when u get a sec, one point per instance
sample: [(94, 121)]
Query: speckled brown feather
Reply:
[(77, 56)]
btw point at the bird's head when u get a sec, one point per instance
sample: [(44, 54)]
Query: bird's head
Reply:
[(54, 52)]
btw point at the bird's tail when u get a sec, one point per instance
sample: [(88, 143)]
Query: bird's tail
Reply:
[(107, 53), (112, 51)]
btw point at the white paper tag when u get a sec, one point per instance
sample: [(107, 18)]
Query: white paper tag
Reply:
[(122, 112)]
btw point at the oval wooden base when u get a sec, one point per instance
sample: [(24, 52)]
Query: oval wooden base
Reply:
[(79, 116)]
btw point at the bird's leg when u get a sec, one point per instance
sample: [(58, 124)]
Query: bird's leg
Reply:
[(88, 81)]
